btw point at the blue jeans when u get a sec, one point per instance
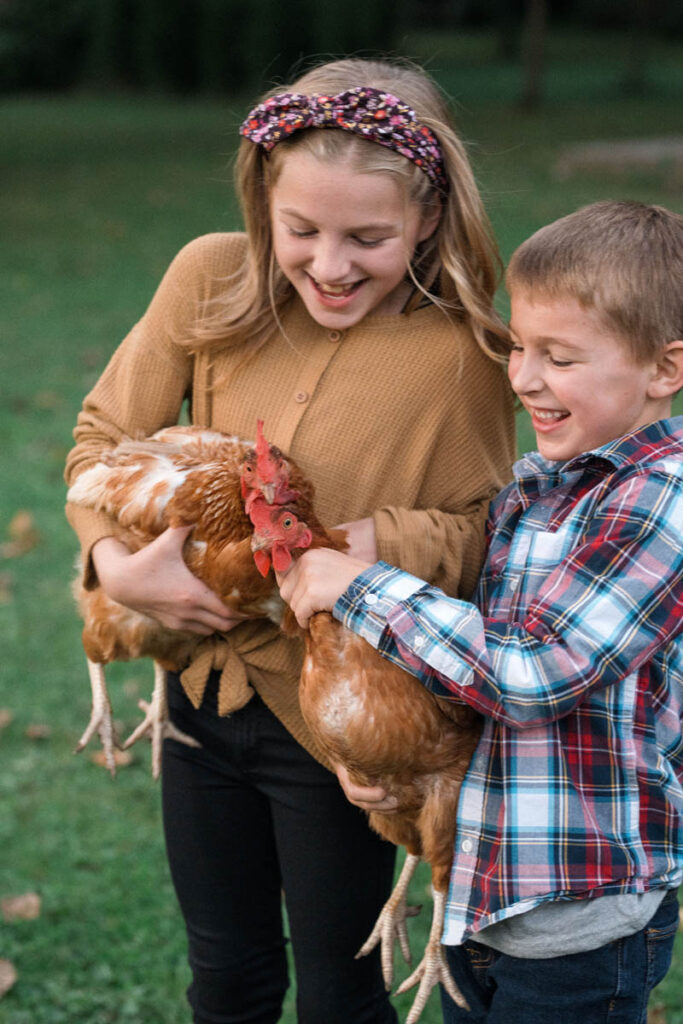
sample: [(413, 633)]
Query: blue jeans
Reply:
[(610, 985)]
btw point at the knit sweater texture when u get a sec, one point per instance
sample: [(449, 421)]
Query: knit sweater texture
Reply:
[(400, 417)]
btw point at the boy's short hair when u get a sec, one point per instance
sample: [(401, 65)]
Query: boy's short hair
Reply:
[(622, 259)]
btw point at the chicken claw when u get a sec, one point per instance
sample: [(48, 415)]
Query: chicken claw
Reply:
[(156, 724), (433, 968), (391, 923), (101, 721)]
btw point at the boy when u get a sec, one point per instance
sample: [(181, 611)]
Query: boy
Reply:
[(562, 906)]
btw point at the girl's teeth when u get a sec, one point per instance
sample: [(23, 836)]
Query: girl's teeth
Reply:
[(335, 289)]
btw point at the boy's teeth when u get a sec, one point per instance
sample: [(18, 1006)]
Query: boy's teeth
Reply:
[(548, 415)]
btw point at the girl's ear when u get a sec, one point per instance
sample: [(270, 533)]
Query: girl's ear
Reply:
[(429, 224), (668, 376)]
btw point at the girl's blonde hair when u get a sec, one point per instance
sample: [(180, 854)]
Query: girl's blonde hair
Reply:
[(458, 267)]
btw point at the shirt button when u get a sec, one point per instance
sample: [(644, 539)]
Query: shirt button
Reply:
[(334, 335), (301, 396), (419, 641), (466, 846), (370, 598), (513, 584)]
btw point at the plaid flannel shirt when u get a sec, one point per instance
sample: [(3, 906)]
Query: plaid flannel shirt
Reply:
[(574, 653)]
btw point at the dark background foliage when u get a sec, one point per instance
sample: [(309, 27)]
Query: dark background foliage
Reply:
[(216, 46)]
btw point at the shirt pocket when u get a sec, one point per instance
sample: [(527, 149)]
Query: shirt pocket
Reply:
[(533, 562), (548, 548)]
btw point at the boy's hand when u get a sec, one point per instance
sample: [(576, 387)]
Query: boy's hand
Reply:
[(315, 581)]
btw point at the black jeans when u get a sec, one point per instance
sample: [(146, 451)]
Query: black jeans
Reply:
[(247, 816)]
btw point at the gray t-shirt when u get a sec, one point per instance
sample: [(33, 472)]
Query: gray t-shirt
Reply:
[(561, 927)]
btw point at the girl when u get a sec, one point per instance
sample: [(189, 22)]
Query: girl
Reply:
[(355, 316)]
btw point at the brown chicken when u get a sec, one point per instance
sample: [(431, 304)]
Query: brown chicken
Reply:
[(177, 477), (384, 727)]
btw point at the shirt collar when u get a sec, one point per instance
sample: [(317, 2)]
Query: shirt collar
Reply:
[(639, 446)]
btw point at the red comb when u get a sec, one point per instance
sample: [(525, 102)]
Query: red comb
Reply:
[(264, 462)]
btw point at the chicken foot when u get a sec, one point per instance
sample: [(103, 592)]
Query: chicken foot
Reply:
[(101, 720), (391, 923), (433, 968), (156, 724)]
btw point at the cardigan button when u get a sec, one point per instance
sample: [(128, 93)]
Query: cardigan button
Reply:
[(334, 335), (301, 396)]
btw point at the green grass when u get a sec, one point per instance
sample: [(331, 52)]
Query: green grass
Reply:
[(98, 194)]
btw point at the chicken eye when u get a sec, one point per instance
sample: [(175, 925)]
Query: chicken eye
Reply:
[(287, 522)]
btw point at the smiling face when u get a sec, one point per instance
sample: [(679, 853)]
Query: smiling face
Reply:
[(344, 238), (577, 378)]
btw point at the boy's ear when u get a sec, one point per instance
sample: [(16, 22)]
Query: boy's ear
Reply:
[(668, 376)]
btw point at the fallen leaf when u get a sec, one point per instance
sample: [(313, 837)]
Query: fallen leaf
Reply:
[(158, 197), (38, 731), (680, 919), (47, 400), (115, 228), (21, 908), (23, 535), (121, 758), (91, 357), (131, 687), (8, 976), (6, 584), (657, 1015), (6, 717)]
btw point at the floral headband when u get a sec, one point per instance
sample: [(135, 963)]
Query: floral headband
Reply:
[(370, 113)]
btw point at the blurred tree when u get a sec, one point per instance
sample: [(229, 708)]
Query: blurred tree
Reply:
[(101, 29), (41, 43), (181, 45), (635, 76), (535, 17), (509, 30), (246, 45)]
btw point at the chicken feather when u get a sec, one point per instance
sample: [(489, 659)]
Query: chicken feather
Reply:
[(385, 728), (179, 476)]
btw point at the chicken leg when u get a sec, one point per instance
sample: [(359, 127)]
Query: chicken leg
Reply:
[(391, 923), (433, 968), (101, 721), (156, 724)]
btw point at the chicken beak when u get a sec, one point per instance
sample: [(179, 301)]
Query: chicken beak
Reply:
[(268, 491), (259, 542)]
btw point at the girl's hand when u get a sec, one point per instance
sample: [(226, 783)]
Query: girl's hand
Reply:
[(156, 582), (361, 538), (315, 581), (368, 798)]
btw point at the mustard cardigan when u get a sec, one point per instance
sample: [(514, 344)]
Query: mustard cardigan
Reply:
[(400, 417)]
